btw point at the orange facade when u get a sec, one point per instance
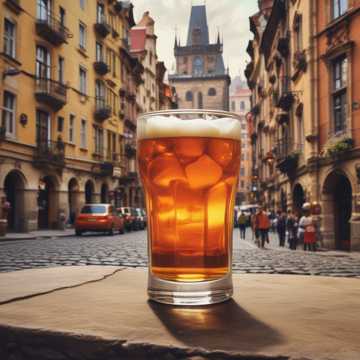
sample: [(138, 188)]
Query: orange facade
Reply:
[(338, 47)]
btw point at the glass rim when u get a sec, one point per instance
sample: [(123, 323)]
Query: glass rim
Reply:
[(201, 112)]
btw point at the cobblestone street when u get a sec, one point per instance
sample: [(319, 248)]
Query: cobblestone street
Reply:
[(130, 250)]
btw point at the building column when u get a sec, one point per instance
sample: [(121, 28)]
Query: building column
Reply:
[(327, 221), (355, 223), (31, 209)]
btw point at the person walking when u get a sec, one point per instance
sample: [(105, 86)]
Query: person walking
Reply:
[(281, 228), (308, 226), (255, 228), (291, 227), (263, 223), (242, 220)]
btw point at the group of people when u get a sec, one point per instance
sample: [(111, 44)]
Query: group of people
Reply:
[(295, 228)]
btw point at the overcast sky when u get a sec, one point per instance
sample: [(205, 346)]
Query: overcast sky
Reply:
[(229, 16)]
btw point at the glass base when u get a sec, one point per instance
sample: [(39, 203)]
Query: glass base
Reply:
[(190, 294)]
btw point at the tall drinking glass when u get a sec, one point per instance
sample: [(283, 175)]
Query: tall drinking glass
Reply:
[(189, 163)]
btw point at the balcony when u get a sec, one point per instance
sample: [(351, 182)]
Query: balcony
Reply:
[(49, 153), (14, 5), (130, 151), (50, 92), (51, 29), (102, 27), (106, 169), (284, 46), (101, 67), (286, 97), (128, 178), (287, 156), (102, 109)]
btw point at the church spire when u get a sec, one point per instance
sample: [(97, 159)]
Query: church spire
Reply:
[(198, 32)]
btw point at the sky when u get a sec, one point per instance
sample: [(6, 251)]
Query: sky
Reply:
[(229, 16)]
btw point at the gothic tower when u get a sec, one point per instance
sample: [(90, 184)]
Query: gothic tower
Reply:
[(201, 80)]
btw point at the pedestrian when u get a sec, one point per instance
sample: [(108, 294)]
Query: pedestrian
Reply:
[(291, 227), (281, 228), (308, 226), (255, 228), (242, 220), (263, 224)]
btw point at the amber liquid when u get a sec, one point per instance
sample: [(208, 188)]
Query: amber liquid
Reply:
[(190, 186)]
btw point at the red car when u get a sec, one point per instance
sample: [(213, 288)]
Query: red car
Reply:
[(99, 218)]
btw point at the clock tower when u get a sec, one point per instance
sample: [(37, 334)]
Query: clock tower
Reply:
[(201, 80)]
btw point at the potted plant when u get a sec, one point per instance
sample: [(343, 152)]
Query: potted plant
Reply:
[(341, 147)]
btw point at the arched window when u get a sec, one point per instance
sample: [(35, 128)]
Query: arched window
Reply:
[(189, 96), (200, 100), (212, 92), (198, 65)]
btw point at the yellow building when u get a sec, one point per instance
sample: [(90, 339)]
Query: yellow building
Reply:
[(62, 120), (280, 75)]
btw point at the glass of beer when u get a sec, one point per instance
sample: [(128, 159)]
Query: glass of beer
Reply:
[(189, 164)]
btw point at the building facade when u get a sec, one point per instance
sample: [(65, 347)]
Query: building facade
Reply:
[(303, 77), (62, 121), (201, 80), (240, 104)]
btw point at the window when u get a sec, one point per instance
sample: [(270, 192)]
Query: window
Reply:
[(242, 105), (339, 8), (62, 16), (150, 58), (242, 156), (61, 70), (243, 126), (189, 96), (72, 128), (83, 142), (100, 15), (339, 93), (298, 32), (44, 10), (60, 124), (9, 38), (82, 4), (200, 100), (242, 184), (82, 75), (198, 65), (242, 171), (99, 52), (8, 113), (212, 92), (82, 36), (42, 63), (233, 106), (99, 140)]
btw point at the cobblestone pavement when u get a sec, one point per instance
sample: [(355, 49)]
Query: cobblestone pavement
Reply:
[(130, 250)]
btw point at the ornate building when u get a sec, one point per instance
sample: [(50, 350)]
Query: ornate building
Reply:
[(240, 104), (63, 118), (201, 80), (305, 109)]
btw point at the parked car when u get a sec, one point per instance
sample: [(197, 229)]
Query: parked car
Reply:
[(141, 214), (99, 218), (131, 218)]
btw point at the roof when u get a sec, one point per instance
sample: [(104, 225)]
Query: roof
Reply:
[(198, 21), (138, 38)]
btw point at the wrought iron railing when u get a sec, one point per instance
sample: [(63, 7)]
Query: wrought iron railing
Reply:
[(50, 151), (52, 88)]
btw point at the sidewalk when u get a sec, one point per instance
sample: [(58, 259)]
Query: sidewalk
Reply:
[(38, 234), (104, 313)]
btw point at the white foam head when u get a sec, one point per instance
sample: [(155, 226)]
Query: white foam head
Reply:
[(164, 126)]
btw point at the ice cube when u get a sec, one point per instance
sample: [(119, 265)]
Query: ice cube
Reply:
[(164, 169), (188, 147), (203, 172), (216, 217), (221, 151), (190, 218)]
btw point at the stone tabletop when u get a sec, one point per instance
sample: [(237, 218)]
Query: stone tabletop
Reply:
[(95, 314)]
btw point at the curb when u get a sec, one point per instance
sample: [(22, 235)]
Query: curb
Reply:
[(35, 237)]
